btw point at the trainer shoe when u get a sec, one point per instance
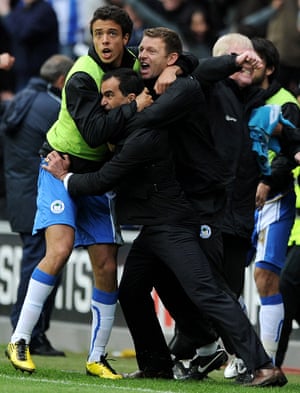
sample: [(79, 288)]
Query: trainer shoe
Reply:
[(235, 367), (102, 369), (179, 370), (202, 365), (19, 356)]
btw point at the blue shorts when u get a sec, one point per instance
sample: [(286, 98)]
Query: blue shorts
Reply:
[(272, 229), (92, 217)]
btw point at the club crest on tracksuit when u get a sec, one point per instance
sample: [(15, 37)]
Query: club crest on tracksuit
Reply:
[(205, 231)]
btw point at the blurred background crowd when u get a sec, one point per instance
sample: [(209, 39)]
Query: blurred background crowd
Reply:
[(32, 34), (199, 23)]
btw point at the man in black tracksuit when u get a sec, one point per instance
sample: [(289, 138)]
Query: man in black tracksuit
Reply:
[(230, 102), (229, 111), (170, 233), (202, 173)]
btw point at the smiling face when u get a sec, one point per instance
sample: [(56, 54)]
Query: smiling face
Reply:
[(109, 42), (153, 57), (244, 77), (235, 43), (112, 96)]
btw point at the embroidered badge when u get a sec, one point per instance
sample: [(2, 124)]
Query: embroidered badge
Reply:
[(205, 231), (57, 207)]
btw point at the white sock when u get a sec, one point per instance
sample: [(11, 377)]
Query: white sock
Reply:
[(103, 308), (37, 293), (271, 317)]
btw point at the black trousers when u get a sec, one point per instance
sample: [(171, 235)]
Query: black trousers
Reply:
[(177, 247), (236, 250), (227, 255), (193, 328)]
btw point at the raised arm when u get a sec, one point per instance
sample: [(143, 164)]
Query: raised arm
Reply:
[(185, 93), (216, 68)]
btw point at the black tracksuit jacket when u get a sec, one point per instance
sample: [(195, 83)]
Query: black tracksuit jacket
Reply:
[(199, 169), (210, 140), (229, 109), (141, 170)]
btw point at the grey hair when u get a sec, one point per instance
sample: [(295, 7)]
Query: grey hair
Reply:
[(54, 67), (225, 42)]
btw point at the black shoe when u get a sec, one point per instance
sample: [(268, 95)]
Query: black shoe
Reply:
[(262, 377), (202, 365), (41, 346), (244, 378), (164, 374), (281, 378)]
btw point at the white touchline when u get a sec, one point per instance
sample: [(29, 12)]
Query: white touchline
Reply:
[(60, 382)]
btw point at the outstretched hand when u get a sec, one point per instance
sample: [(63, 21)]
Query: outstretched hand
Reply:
[(57, 165)]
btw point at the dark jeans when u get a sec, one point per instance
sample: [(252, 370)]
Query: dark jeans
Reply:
[(177, 247), (33, 251)]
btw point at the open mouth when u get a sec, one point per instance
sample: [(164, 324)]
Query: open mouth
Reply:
[(144, 66), (106, 53)]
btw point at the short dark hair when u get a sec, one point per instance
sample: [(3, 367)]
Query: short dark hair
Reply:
[(130, 81), (115, 13), (170, 37), (269, 53)]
